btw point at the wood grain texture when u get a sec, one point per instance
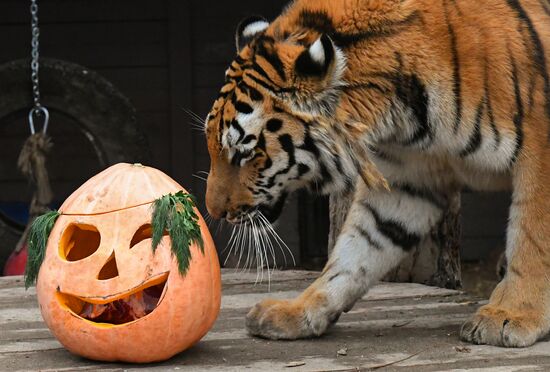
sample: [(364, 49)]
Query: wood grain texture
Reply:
[(393, 322)]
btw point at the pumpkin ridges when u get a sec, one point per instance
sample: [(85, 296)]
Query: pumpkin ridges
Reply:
[(97, 179), (150, 184), (89, 198), (188, 316), (127, 190)]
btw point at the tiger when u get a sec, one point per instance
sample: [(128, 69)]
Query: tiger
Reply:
[(399, 102)]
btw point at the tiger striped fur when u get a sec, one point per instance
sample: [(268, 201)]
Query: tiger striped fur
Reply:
[(401, 100)]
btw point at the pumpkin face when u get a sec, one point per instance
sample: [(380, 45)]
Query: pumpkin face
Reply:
[(102, 290)]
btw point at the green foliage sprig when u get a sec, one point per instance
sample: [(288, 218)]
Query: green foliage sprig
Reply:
[(39, 234), (175, 214)]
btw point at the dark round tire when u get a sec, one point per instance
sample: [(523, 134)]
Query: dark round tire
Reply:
[(102, 113)]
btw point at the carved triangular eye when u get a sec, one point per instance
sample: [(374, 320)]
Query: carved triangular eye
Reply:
[(143, 233), (78, 242)]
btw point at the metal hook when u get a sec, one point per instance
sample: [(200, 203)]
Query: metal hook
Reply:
[(39, 111)]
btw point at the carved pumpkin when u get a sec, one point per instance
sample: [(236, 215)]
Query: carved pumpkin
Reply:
[(104, 292)]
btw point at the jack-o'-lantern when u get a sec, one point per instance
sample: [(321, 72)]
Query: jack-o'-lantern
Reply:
[(104, 290)]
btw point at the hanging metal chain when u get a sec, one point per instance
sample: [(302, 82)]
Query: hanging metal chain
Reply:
[(38, 111)]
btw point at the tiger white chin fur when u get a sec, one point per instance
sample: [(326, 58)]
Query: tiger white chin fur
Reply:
[(403, 102)]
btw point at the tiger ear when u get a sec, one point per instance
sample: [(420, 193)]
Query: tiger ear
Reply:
[(317, 59), (248, 29)]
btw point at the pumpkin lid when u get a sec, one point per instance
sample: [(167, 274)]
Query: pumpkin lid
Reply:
[(119, 187)]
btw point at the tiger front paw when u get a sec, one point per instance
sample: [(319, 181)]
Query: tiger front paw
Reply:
[(286, 320), (492, 325)]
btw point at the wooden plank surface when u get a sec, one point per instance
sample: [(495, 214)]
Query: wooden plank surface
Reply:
[(392, 323)]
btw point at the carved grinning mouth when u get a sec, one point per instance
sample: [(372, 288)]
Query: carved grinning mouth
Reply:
[(119, 309)]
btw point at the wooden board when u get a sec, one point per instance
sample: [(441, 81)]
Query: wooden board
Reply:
[(392, 323)]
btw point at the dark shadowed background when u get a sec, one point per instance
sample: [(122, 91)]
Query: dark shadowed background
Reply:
[(167, 57)]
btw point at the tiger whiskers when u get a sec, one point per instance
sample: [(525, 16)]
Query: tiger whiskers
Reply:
[(197, 123), (231, 244), (208, 219), (243, 241), (200, 177), (268, 244), (220, 226), (260, 254), (254, 240), (280, 242)]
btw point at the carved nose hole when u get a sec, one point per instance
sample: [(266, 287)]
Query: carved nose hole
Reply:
[(79, 242), (109, 270)]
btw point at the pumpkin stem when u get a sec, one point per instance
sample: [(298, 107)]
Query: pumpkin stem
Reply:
[(175, 214), (39, 234)]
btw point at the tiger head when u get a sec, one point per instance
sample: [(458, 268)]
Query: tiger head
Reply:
[(267, 132)]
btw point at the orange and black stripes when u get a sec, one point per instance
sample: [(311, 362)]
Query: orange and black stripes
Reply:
[(322, 23), (306, 90), (456, 76), (403, 102), (489, 104), (538, 52), (520, 110), (412, 93), (474, 143)]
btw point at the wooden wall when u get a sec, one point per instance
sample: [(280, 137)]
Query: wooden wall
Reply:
[(125, 41), (166, 56)]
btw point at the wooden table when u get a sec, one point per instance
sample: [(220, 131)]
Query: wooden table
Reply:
[(396, 327)]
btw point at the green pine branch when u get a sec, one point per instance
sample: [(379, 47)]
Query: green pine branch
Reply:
[(175, 214), (39, 234)]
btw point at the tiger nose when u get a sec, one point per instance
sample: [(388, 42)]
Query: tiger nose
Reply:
[(215, 207), (217, 214)]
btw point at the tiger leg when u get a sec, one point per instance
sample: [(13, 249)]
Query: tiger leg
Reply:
[(518, 313), (380, 228)]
